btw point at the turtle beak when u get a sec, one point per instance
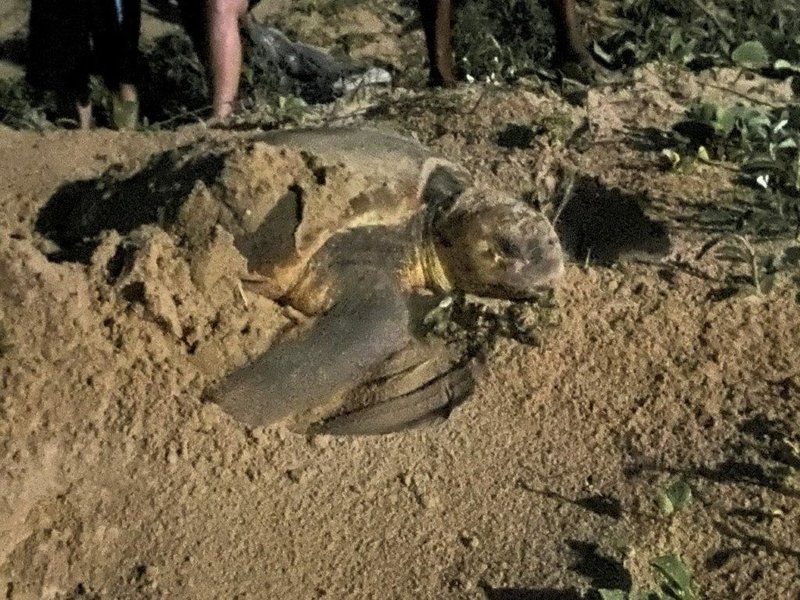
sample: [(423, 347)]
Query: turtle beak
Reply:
[(540, 267)]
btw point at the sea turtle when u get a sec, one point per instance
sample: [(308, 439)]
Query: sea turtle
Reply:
[(368, 277)]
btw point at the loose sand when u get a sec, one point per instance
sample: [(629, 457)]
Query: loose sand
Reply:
[(117, 481)]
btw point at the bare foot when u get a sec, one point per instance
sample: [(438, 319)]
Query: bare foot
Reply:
[(128, 93), (85, 121), (223, 111), (439, 77), (442, 82), (582, 66)]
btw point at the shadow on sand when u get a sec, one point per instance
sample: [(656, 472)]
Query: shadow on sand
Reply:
[(531, 594), (603, 225), (79, 211)]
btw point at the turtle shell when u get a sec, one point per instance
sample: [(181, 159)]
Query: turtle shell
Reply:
[(284, 194)]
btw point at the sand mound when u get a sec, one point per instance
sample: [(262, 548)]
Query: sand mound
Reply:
[(156, 253)]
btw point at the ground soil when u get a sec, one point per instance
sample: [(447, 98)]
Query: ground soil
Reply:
[(118, 481)]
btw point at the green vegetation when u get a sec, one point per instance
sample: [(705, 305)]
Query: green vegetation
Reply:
[(479, 323), (700, 34), (763, 143), (503, 39), (673, 577), (674, 581), (22, 108), (506, 39), (675, 497)]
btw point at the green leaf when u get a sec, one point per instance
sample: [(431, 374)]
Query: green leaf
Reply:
[(797, 175), (675, 41), (598, 50), (726, 121), (672, 157), (751, 55), (705, 112), (675, 497), (677, 576), (612, 595), (680, 493), (758, 120), (780, 125), (665, 505), (785, 65)]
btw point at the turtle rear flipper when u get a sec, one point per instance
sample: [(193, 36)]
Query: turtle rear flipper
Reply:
[(333, 356), (412, 368), (418, 395)]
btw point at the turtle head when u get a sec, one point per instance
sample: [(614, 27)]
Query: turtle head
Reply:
[(493, 245)]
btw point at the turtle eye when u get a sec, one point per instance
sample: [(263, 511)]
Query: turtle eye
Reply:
[(509, 247)]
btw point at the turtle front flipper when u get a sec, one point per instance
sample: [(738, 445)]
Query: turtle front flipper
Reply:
[(420, 386), (333, 356)]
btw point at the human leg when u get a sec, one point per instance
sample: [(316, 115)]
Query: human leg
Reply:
[(195, 23), (131, 23), (59, 54), (437, 23), (76, 79), (225, 52), (116, 26), (571, 46), (126, 109)]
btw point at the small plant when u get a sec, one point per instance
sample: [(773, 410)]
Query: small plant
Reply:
[(676, 578), (765, 146), (751, 55), (479, 323), (674, 581), (503, 39), (675, 497), (762, 268), (700, 34), (174, 86), (22, 108), (673, 577)]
